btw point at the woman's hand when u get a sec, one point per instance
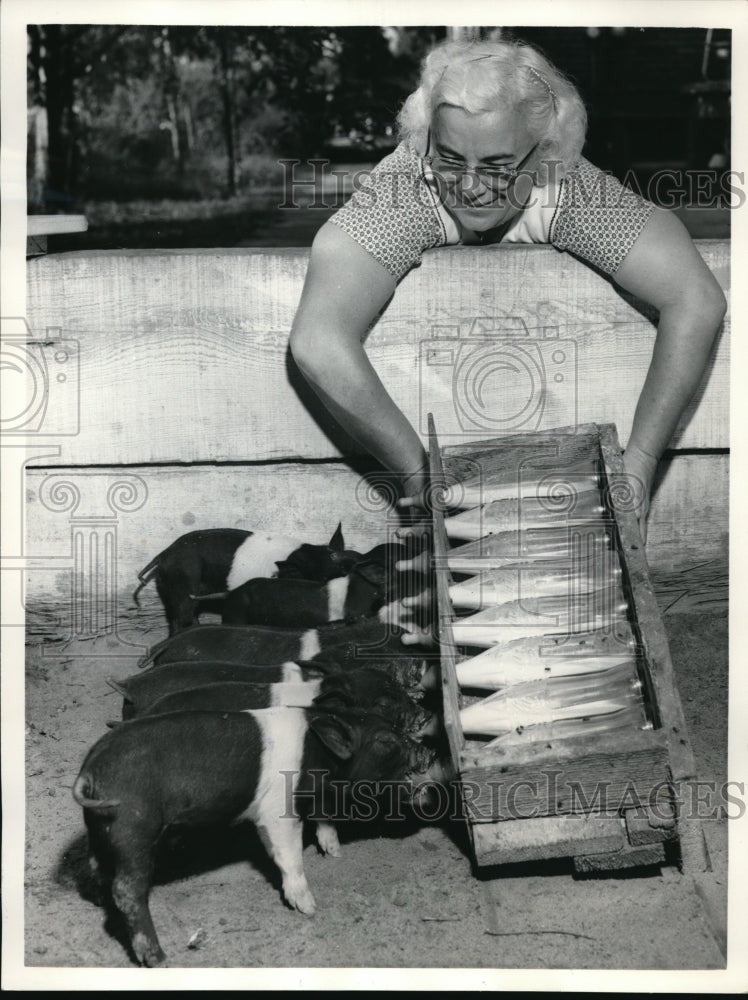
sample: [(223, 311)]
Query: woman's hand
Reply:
[(417, 534), (640, 470), (415, 499)]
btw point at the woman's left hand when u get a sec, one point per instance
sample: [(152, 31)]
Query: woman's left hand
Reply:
[(640, 470)]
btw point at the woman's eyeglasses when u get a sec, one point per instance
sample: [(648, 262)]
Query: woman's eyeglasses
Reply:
[(490, 176)]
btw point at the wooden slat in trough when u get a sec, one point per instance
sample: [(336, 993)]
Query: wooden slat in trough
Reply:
[(183, 354), (546, 837)]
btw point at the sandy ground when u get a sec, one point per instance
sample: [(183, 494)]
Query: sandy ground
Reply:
[(403, 895)]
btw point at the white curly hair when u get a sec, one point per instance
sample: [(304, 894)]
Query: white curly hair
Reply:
[(482, 76)]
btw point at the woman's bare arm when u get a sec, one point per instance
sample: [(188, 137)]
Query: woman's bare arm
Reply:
[(344, 290), (665, 269)]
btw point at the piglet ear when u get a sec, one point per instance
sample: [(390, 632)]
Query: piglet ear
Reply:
[(336, 734), (373, 572), (336, 542), (334, 693)]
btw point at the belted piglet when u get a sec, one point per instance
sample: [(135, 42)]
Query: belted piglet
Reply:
[(373, 586), (256, 644), (142, 690), (270, 766), (221, 559), (294, 603), (369, 690)]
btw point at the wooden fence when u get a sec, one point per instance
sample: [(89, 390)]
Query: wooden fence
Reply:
[(179, 405)]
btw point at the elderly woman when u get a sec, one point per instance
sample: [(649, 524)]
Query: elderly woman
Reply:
[(490, 152)]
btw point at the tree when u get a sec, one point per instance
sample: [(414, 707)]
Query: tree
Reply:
[(58, 57)]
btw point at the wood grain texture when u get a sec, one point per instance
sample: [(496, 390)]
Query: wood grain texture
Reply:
[(450, 692), (183, 354), (695, 588), (628, 857), (588, 776), (546, 837), (690, 514), (660, 676), (688, 524), (157, 505)]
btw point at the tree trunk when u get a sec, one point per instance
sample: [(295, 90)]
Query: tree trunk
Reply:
[(227, 98), (59, 113), (474, 34), (38, 158), (173, 100), (456, 34)]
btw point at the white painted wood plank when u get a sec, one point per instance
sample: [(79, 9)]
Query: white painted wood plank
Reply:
[(47, 225), (144, 509), (181, 356)]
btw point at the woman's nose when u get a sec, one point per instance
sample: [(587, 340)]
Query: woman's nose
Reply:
[(472, 184)]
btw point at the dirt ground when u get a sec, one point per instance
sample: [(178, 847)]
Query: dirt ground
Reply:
[(404, 895)]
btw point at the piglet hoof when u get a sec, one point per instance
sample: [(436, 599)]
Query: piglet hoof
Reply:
[(306, 904), (302, 900), (147, 952), (327, 839)]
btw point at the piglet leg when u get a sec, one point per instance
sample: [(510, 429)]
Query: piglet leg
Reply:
[(95, 886), (327, 838), (130, 895), (282, 837), (181, 610)]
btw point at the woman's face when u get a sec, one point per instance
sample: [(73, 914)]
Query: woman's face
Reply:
[(481, 141)]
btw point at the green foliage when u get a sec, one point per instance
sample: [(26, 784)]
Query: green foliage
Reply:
[(189, 111)]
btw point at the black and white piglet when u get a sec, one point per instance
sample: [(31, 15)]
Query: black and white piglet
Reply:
[(283, 684), (142, 689), (304, 603), (287, 681), (192, 768), (158, 692), (221, 559), (257, 644), (370, 588)]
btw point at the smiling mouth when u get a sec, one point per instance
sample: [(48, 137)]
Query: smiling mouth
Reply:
[(475, 206), (465, 200)]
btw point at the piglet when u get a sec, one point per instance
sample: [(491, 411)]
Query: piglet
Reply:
[(369, 690), (221, 559), (190, 768), (282, 681), (257, 644), (412, 672), (305, 603)]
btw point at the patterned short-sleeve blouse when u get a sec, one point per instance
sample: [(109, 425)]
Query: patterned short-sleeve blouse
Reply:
[(396, 214)]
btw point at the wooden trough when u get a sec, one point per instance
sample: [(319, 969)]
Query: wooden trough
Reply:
[(606, 799)]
